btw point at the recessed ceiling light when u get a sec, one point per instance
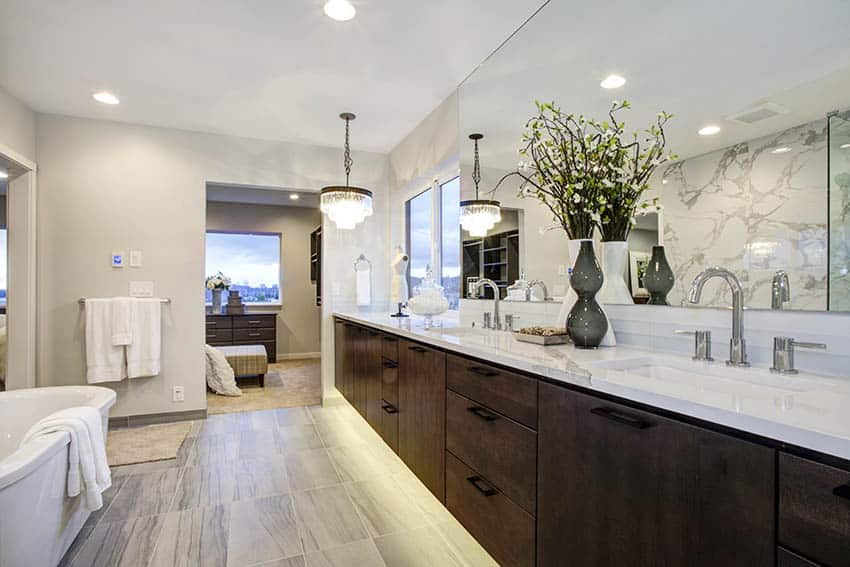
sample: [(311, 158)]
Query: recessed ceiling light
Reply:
[(844, 146), (780, 150), (709, 130), (613, 82), (294, 196), (105, 97), (3, 174), (339, 10)]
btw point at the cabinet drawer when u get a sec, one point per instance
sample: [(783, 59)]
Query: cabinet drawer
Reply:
[(219, 335), (219, 322), (257, 334), (389, 347), (389, 424), (504, 529), (506, 392), (244, 321), (785, 558), (814, 510), (389, 381), (499, 448)]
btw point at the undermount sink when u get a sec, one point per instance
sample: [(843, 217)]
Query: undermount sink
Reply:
[(706, 376), (456, 331)]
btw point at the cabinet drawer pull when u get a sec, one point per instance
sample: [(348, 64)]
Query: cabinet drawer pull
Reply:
[(482, 413), (372, 333), (254, 334), (389, 364), (842, 491), (482, 486), (389, 408), (623, 418), (390, 339), (481, 371), (347, 325), (212, 323), (254, 322), (417, 349)]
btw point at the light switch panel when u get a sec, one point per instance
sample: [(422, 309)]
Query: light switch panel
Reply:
[(117, 258), (141, 289), (135, 258)]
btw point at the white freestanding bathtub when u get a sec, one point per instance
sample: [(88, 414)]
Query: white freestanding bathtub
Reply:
[(38, 522)]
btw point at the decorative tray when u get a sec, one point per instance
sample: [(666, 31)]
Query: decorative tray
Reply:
[(544, 336)]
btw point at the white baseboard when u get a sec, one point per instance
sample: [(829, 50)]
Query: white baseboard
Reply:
[(297, 355)]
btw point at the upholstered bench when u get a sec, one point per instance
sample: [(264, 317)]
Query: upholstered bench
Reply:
[(247, 360)]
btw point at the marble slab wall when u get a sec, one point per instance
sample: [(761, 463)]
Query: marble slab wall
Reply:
[(754, 211)]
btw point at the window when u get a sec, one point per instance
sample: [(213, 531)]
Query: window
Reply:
[(450, 240), (250, 260), (419, 225), (434, 216)]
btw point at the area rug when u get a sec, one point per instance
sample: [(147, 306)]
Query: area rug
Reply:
[(288, 384), (130, 445)]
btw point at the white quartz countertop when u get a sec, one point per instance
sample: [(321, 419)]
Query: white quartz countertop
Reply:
[(806, 410)]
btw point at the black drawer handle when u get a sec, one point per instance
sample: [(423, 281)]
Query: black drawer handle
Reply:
[(389, 408), (347, 325), (481, 371), (623, 418), (482, 413), (372, 333), (482, 486), (842, 491), (390, 339), (389, 364), (417, 349), (212, 323)]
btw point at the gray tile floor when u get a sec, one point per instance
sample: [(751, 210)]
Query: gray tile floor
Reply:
[(295, 487)]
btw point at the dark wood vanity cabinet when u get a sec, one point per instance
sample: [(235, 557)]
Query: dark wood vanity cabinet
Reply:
[(618, 486), (422, 413), (548, 474)]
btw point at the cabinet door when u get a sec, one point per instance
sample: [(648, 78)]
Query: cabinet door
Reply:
[(372, 369), (339, 356), (361, 356), (350, 338), (422, 414), (618, 486)]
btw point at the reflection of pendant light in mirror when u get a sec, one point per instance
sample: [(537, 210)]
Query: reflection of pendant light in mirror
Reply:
[(477, 216), (346, 206)]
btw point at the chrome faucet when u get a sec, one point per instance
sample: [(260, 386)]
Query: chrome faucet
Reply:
[(780, 290), (497, 322), (737, 344), (531, 286)]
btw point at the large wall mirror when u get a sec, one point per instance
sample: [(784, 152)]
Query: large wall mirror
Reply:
[(768, 191)]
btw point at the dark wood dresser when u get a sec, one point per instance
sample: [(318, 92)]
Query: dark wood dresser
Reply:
[(248, 329)]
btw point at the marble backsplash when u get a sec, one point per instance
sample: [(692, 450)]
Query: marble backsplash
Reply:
[(754, 210)]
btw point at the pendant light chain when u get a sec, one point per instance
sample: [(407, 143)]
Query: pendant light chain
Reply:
[(347, 161), (476, 169)]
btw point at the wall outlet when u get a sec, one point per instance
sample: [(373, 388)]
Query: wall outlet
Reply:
[(179, 394)]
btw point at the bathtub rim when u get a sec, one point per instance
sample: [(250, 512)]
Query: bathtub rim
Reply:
[(36, 452)]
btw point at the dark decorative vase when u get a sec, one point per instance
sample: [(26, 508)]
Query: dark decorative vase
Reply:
[(586, 323), (658, 279)]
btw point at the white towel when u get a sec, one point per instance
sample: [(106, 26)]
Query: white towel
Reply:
[(122, 321), (364, 287), (144, 352), (104, 360), (88, 470)]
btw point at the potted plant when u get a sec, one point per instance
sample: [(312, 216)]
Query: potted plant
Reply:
[(217, 284), (631, 165)]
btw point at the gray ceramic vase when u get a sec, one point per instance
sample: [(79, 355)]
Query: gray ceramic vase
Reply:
[(658, 279), (586, 323)]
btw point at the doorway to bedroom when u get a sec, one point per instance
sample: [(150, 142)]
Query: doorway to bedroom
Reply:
[(262, 299)]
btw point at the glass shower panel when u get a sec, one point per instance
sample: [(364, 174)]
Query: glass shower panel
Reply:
[(839, 212)]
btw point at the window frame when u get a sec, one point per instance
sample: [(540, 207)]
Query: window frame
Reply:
[(436, 257), (279, 235)]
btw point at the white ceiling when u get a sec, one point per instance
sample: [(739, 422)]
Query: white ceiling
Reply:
[(702, 61), (268, 69)]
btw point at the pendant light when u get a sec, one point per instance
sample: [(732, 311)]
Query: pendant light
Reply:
[(477, 216), (346, 206)]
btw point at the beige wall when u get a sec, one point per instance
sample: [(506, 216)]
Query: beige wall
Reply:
[(106, 185), (17, 126), (298, 318)]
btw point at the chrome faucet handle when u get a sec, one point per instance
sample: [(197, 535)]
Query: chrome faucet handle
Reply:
[(488, 320), (509, 322), (702, 344), (783, 354)]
